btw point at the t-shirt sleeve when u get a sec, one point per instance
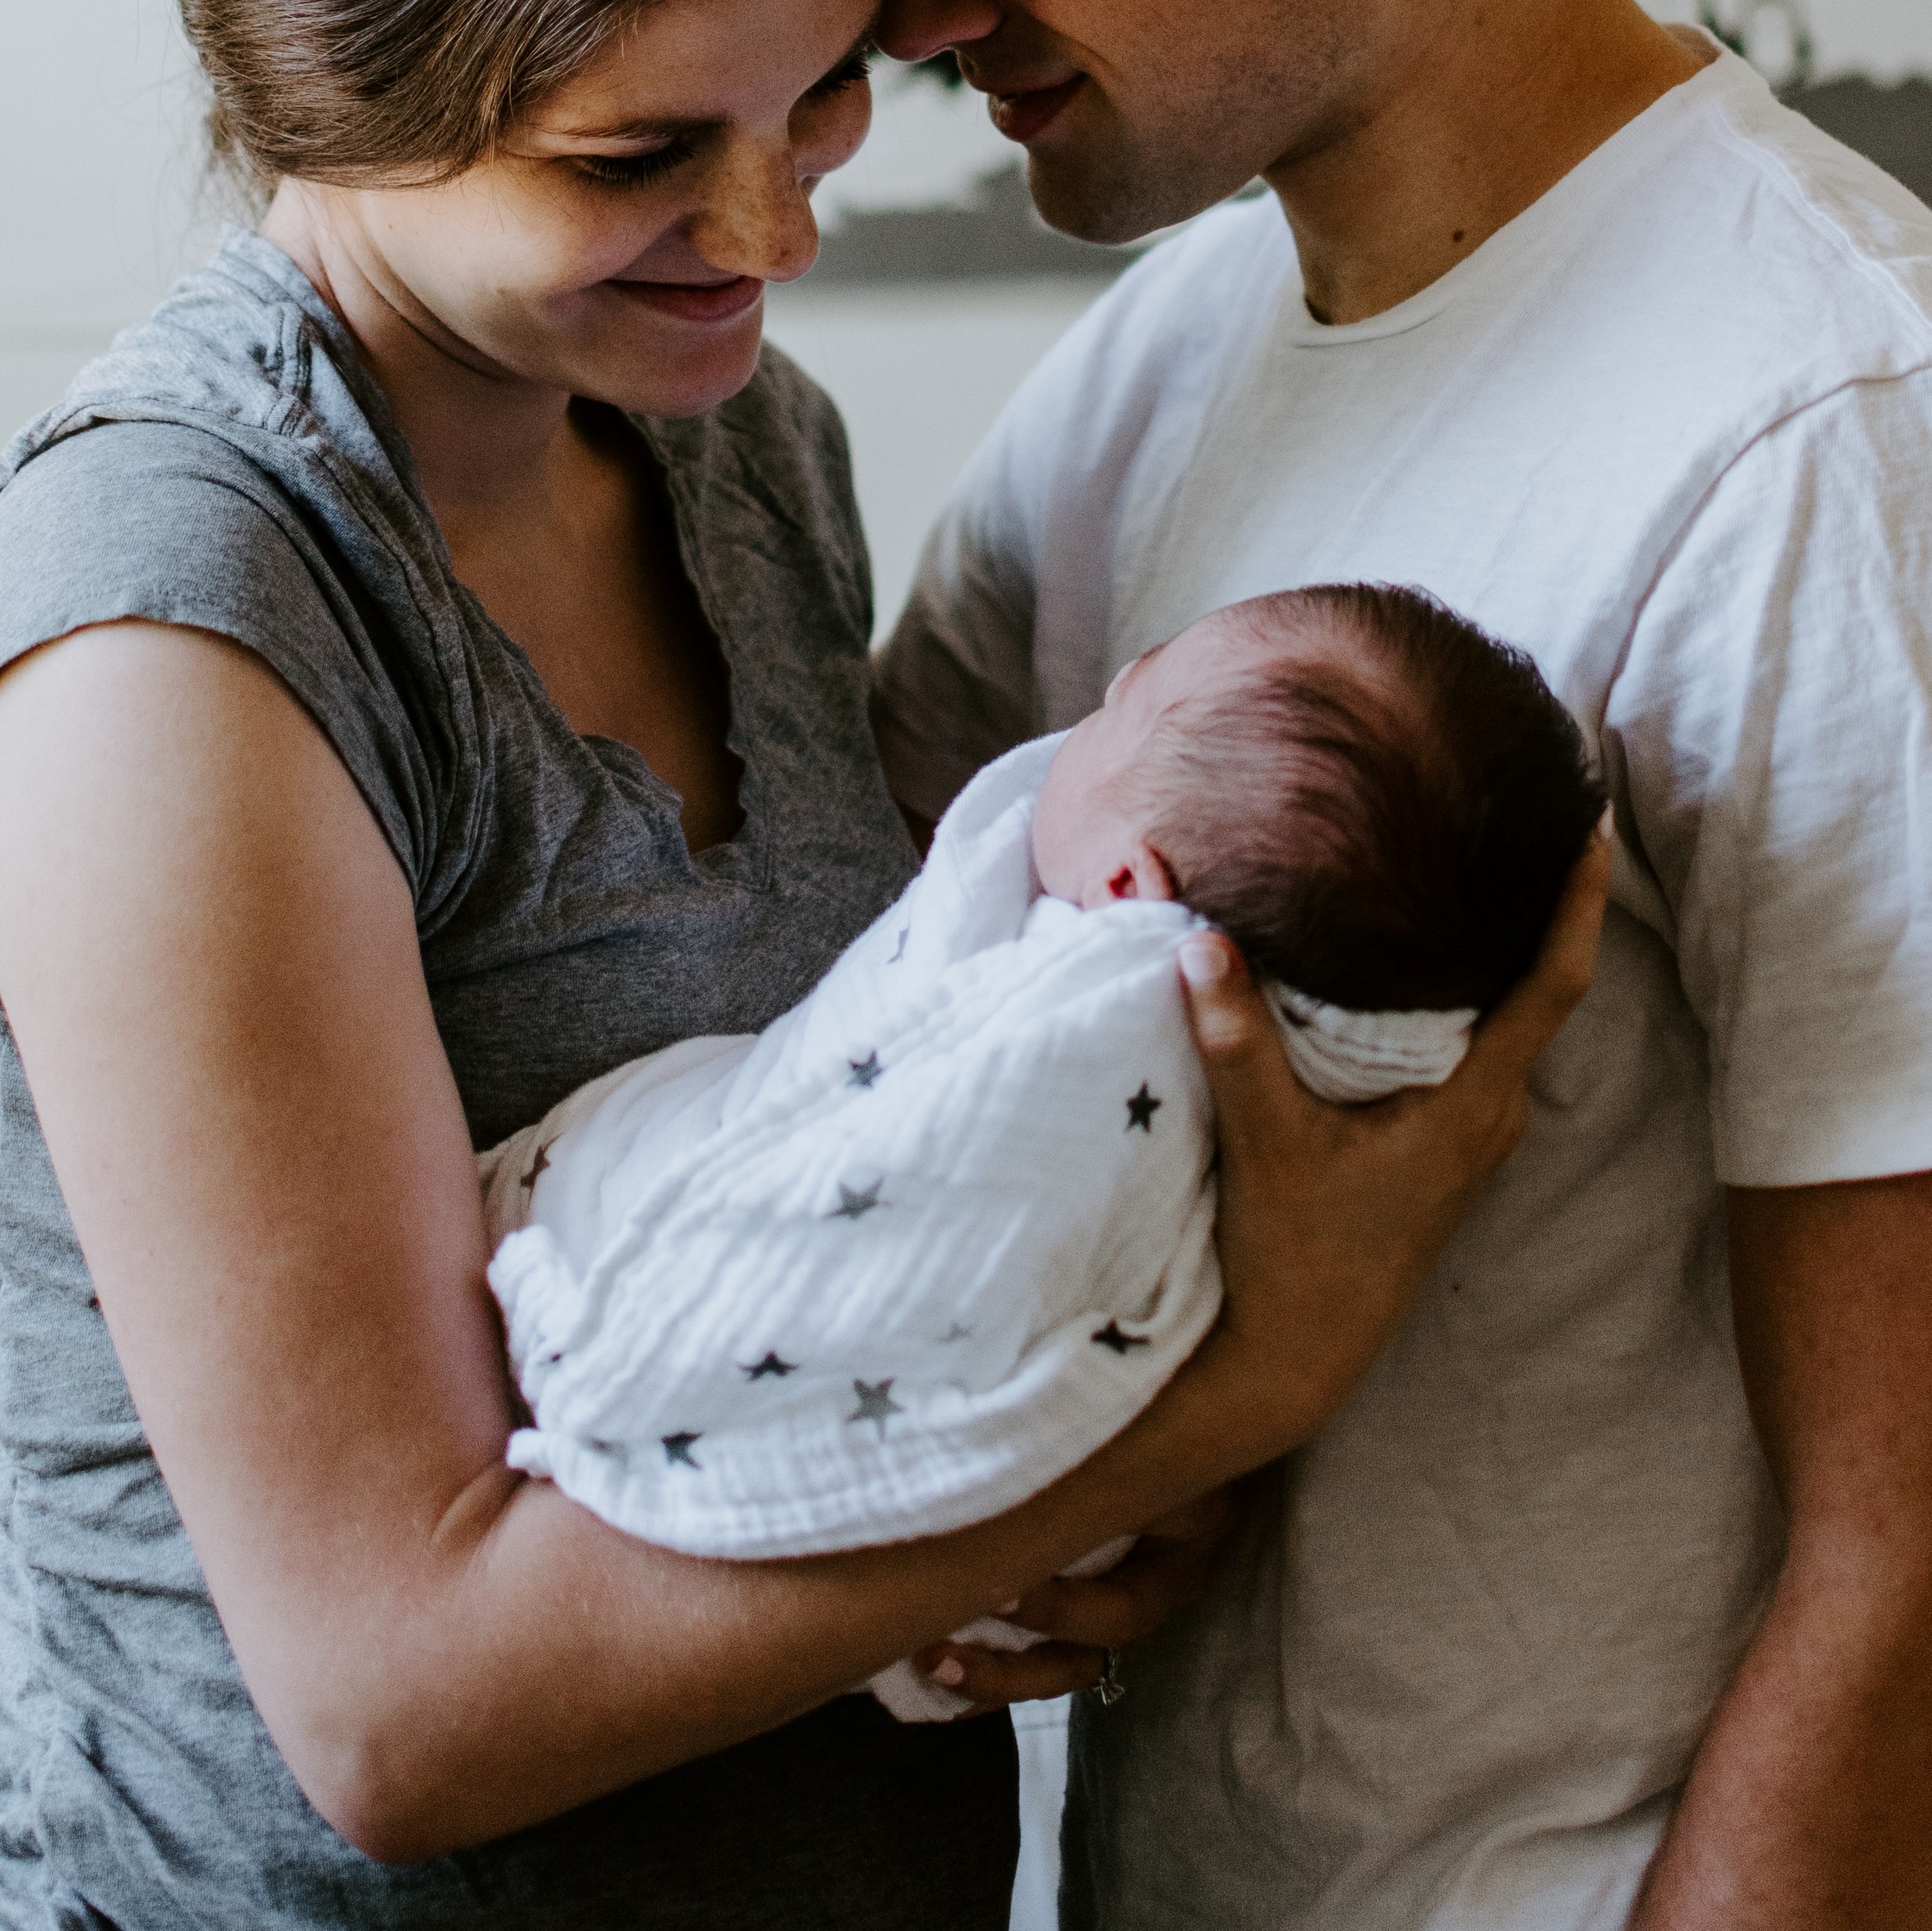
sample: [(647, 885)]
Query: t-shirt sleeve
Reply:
[(954, 688), (1773, 724), (171, 524)]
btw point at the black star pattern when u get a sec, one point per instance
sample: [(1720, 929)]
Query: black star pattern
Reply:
[(1142, 1109), (955, 1333), (898, 957), (866, 1071), (856, 1206), (677, 1451), (875, 1403), (1110, 1336), (770, 1365), (540, 1165)]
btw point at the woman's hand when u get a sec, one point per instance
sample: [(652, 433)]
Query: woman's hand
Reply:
[(1082, 1619), (1332, 1216)]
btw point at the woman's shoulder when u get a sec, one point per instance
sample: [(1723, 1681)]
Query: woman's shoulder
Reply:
[(242, 350), (220, 469)]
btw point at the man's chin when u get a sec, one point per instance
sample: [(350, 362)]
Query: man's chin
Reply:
[(1105, 202)]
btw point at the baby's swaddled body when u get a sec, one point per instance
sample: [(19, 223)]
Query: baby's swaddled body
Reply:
[(898, 1262)]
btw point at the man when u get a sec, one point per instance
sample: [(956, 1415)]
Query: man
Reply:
[(1565, 1622)]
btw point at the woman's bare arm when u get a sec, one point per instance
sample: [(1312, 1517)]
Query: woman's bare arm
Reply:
[(208, 956)]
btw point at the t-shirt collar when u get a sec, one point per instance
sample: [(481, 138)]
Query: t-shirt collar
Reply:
[(1556, 208)]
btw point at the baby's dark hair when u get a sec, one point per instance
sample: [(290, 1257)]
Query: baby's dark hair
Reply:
[(1386, 825)]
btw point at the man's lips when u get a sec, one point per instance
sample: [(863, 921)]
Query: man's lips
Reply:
[(1025, 117), (694, 301)]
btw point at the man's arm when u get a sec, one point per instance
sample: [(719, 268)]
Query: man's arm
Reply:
[(1810, 1804)]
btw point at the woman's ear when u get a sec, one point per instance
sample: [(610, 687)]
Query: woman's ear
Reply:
[(1142, 873)]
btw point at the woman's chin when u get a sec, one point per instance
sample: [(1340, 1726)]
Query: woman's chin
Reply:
[(677, 373)]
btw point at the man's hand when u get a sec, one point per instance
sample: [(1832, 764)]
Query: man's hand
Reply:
[(1810, 1805), (1331, 1216)]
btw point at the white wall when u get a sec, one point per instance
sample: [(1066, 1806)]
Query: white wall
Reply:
[(100, 160)]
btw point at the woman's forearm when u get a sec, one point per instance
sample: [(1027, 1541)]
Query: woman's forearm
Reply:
[(538, 1659)]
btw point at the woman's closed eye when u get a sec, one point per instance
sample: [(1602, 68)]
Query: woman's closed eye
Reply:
[(653, 163), (857, 66), (633, 170)]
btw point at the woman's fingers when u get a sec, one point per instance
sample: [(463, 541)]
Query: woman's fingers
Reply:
[(1167, 1567), (1083, 1619), (990, 1679)]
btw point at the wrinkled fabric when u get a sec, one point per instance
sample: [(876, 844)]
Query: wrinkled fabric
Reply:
[(928, 1242), (1670, 431)]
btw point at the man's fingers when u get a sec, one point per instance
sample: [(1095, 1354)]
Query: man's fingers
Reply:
[(1510, 1040), (1240, 1046)]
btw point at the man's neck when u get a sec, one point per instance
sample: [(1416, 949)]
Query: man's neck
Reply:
[(1488, 111), (487, 445)]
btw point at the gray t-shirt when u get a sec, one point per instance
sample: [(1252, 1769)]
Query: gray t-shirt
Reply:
[(230, 465)]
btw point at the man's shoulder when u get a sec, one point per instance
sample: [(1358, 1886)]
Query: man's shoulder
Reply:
[(1773, 232), (1720, 216)]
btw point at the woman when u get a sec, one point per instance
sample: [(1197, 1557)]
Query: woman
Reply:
[(315, 879)]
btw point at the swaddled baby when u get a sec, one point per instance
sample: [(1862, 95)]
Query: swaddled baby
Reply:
[(919, 1247)]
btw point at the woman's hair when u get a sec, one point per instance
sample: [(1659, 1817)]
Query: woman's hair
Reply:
[(370, 93)]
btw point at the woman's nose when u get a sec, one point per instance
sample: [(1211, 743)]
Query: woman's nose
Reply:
[(918, 29), (757, 221)]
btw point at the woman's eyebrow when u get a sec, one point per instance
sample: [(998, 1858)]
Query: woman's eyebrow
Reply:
[(654, 128)]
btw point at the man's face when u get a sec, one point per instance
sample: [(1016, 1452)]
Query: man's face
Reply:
[(1136, 114)]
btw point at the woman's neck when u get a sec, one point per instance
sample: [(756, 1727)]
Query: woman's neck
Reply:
[(488, 446)]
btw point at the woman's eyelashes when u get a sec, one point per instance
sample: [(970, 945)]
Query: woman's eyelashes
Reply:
[(634, 170), (849, 73)]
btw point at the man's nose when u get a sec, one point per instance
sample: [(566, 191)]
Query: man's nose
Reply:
[(918, 29), (757, 221)]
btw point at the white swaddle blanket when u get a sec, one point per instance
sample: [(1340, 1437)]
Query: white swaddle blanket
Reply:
[(900, 1261)]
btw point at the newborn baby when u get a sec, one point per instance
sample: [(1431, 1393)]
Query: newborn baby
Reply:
[(922, 1246)]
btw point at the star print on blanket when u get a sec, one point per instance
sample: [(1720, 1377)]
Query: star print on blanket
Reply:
[(875, 1404), (855, 1204), (893, 1265), (771, 1365)]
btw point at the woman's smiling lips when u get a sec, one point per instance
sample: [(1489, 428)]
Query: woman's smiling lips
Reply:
[(1025, 117), (694, 301)]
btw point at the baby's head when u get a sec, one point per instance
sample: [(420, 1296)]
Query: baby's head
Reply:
[(1377, 802)]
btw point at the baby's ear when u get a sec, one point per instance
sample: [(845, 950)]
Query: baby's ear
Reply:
[(1143, 875)]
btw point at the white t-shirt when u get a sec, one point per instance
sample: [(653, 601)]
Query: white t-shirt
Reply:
[(1670, 430)]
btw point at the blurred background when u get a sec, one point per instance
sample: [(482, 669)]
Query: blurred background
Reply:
[(936, 291)]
